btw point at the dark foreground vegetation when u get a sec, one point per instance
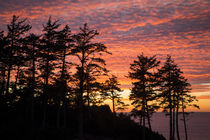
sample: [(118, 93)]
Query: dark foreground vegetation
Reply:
[(54, 86), (100, 124)]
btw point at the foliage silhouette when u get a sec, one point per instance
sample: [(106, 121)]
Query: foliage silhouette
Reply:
[(90, 63), (172, 87), (112, 92), (53, 87), (143, 90)]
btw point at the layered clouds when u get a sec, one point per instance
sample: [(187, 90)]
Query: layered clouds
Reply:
[(180, 28)]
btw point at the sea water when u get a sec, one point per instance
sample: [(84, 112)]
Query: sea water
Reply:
[(198, 125)]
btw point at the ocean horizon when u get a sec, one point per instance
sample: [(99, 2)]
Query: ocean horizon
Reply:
[(198, 125)]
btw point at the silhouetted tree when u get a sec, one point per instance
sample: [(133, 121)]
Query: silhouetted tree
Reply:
[(33, 44), (65, 44), (172, 86), (42, 83), (88, 53), (112, 91), (48, 50), (177, 103), (92, 86), (143, 90), (184, 99), (3, 55), (16, 31), (168, 77)]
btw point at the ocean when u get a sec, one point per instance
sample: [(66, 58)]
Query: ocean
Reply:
[(198, 125)]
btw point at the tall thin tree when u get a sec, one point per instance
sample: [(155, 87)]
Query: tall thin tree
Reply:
[(65, 44), (170, 84), (48, 52), (112, 91), (86, 52), (143, 88), (16, 31), (32, 43)]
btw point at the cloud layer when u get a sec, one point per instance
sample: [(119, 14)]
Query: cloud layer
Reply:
[(177, 27)]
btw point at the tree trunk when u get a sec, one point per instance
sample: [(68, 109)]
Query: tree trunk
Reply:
[(33, 86), (144, 122), (81, 121), (8, 80), (148, 118), (144, 129), (2, 82), (88, 99), (185, 126), (173, 134), (63, 77), (33, 83), (174, 115), (177, 120), (144, 100), (184, 119), (10, 64), (45, 95), (170, 120), (17, 76), (113, 104), (170, 115)]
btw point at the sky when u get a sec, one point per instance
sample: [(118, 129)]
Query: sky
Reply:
[(180, 28)]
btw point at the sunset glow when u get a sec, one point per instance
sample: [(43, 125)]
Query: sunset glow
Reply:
[(180, 28)]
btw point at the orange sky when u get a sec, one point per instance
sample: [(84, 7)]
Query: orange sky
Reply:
[(177, 27)]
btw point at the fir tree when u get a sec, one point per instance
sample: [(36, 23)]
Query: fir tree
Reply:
[(48, 52), (15, 57), (112, 91), (88, 54), (65, 44), (143, 90), (32, 44)]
